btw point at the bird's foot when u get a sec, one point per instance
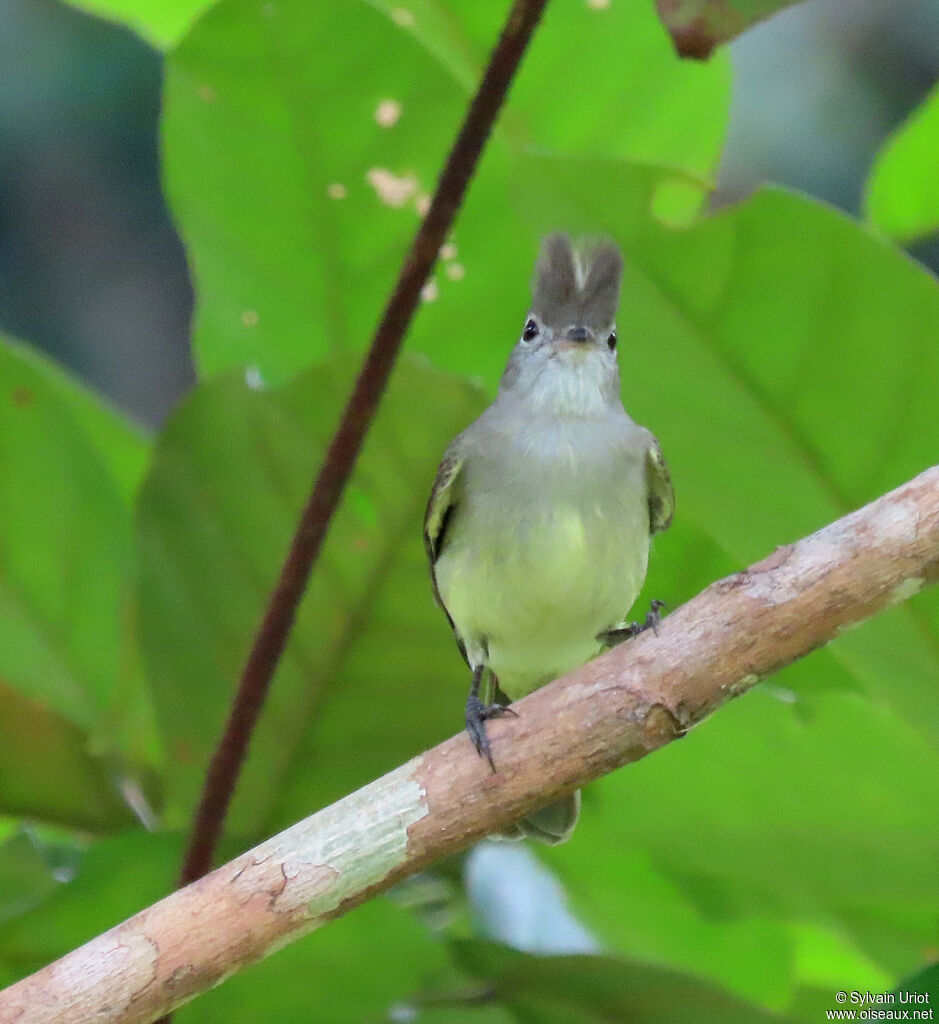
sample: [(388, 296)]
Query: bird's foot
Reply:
[(653, 617), (477, 713)]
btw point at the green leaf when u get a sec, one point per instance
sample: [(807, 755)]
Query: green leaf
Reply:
[(901, 197), (116, 878), (122, 444), (698, 26), (759, 814), (924, 982), (68, 668), (782, 356), (161, 22), (650, 108), (229, 477), (293, 250), (599, 990), (358, 968), (25, 878), (285, 273), (48, 773)]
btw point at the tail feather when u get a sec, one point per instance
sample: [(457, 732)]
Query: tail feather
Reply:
[(551, 825)]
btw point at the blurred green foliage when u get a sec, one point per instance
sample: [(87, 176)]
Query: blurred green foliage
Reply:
[(296, 202), (785, 357), (902, 198), (215, 516), (161, 22)]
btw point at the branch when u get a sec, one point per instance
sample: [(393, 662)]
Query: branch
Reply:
[(614, 710), (271, 638)]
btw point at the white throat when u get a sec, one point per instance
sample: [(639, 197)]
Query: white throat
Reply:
[(575, 383)]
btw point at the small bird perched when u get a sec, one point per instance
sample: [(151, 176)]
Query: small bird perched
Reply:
[(539, 521)]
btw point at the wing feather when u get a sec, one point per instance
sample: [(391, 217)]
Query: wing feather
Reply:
[(441, 507), (661, 492)]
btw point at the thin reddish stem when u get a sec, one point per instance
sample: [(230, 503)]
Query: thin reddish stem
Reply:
[(271, 637)]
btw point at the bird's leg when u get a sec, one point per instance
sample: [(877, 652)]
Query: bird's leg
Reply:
[(653, 617), (476, 714)]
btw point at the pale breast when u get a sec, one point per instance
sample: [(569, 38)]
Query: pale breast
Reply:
[(546, 550)]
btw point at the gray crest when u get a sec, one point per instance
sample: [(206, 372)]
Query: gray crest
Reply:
[(577, 282)]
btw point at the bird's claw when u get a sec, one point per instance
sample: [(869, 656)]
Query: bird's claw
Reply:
[(651, 621), (477, 714), (654, 617)]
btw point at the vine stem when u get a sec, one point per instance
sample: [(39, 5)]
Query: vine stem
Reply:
[(271, 637)]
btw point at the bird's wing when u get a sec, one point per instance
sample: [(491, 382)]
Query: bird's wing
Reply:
[(437, 519), (661, 492)]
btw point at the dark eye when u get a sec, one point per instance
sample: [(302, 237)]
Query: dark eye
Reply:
[(531, 330), (611, 341)]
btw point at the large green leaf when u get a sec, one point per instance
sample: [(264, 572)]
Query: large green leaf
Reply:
[(47, 771), (760, 812), (68, 673), (575, 94), (268, 156), (599, 990), (924, 982), (782, 356), (160, 22), (25, 876), (117, 877), (754, 344), (255, 133), (901, 196), (121, 443), (359, 688), (65, 549)]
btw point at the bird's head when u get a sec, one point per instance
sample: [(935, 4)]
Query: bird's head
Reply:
[(566, 354)]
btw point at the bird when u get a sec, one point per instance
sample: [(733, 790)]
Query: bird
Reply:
[(539, 522)]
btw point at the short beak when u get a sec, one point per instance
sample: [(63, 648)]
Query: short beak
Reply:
[(578, 334)]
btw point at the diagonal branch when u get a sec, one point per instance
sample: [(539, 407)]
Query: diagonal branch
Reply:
[(271, 638), (614, 710)]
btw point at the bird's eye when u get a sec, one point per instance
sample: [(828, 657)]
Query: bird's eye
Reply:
[(611, 341), (531, 331)]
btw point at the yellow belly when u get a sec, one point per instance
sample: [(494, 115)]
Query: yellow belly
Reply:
[(538, 592)]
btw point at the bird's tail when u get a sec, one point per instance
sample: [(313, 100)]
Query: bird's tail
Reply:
[(550, 825)]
